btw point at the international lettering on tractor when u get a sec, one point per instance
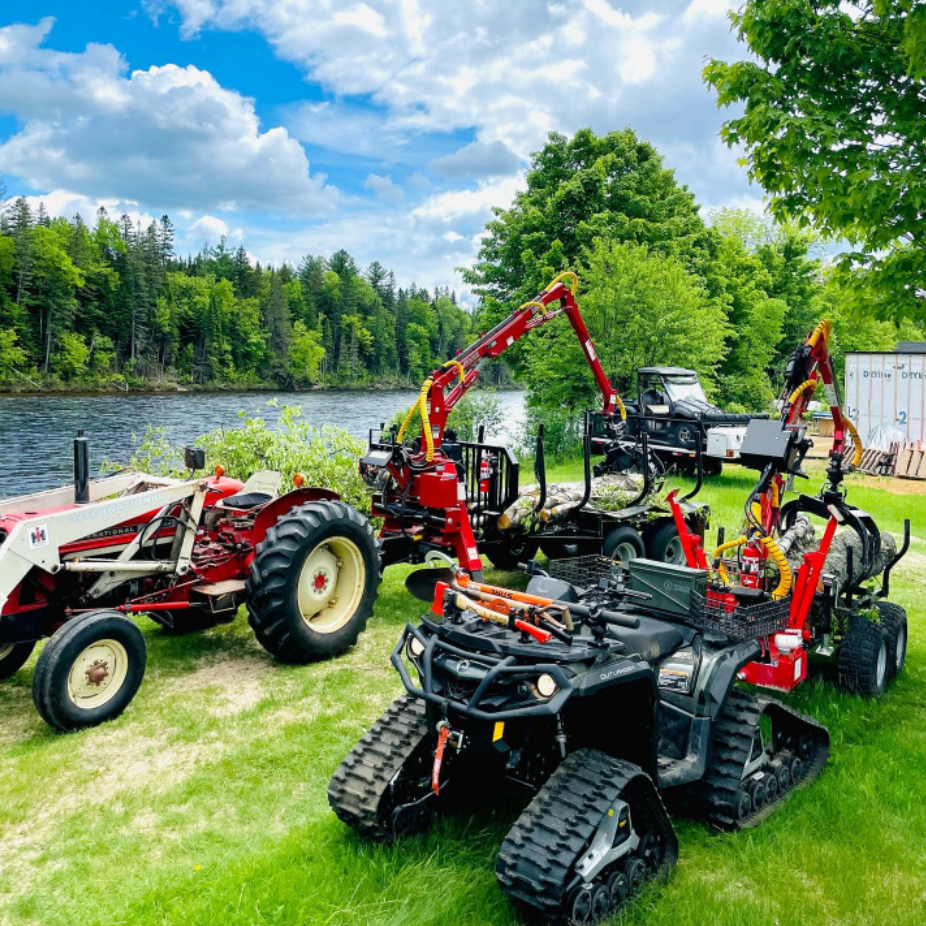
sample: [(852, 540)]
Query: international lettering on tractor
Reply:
[(76, 561)]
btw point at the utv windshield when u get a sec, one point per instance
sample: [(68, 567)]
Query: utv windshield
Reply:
[(685, 387)]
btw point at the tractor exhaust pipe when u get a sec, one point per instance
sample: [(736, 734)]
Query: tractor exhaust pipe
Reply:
[(81, 469)]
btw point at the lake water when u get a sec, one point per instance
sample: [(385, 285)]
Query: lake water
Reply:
[(37, 431)]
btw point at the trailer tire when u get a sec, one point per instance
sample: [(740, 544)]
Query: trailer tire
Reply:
[(864, 655), (509, 555), (13, 657), (711, 466), (89, 671), (894, 622), (313, 557), (664, 545), (623, 543)]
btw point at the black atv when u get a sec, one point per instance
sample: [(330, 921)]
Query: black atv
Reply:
[(600, 693)]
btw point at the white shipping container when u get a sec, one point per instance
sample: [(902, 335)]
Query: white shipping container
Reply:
[(886, 389)]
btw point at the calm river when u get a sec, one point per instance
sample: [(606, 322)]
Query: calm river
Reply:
[(36, 431)]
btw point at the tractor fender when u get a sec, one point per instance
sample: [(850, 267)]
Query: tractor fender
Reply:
[(272, 513)]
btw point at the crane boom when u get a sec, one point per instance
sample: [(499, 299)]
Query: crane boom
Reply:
[(460, 374)]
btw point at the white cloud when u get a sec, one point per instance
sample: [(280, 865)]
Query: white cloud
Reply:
[(209, 228), (478, 159), (168, 135), (709, 8), (384, 188)]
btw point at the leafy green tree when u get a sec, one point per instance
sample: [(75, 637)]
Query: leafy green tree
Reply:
[(71, 355), (581, 189), (12, 357), (305, 354), (835, 104)]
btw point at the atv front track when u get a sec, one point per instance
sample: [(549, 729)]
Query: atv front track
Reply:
[(361, 792), (731, 795), (536, 865)]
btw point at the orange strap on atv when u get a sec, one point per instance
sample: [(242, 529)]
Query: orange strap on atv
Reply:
[(442, 735)]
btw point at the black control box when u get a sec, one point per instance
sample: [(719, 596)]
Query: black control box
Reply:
[(771, 442)]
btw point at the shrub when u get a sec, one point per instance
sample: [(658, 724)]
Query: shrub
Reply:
[(326, 456)]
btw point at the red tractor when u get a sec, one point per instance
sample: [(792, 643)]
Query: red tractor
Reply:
[(830, 601), (77, 561), (440, 494)]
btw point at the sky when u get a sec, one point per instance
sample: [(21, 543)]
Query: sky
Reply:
[(390, 128)]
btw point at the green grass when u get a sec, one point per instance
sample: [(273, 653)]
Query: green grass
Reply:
[(205, 803)]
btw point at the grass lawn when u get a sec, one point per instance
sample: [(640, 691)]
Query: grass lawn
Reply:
[(205, 802)]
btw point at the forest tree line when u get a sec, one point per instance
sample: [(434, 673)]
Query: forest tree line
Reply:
[(730, 295), (113, 304)]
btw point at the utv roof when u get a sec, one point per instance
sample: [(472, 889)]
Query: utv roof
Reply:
[(667, 371)]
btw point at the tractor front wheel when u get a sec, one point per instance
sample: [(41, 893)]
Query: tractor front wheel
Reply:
[(313, 582), (13, 657), (89, 671)]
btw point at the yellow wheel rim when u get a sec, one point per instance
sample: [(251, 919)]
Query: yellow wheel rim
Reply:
[(331, 585), (98, 674)]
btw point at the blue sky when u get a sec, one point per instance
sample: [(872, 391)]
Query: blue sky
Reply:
[(387, 127)]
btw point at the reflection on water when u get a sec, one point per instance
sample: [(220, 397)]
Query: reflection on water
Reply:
[(37, 431)]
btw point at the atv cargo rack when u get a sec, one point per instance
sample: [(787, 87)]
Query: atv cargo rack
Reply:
[(719, 611)]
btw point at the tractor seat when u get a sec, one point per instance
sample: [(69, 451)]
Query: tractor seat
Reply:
[(653, 639), (245, 500)]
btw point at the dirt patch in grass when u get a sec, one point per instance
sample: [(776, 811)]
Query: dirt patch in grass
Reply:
[(236, 683)]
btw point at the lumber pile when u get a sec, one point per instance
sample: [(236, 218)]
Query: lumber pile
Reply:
[(876, 462), (609, 493), (911, 463)]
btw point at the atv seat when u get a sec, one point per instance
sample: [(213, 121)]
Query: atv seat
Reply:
[(652, 640), (245, 501)]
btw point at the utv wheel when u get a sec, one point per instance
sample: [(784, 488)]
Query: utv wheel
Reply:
[(623, 543), (13, 657), (864, 657), (89, 671), (894, 622), (509, 555), (313, 582), (665, 546)]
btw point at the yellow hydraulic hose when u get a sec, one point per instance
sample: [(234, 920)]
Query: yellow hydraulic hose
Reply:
[(804, 386), (421, 406), (822, 330), (567, 273), (784, 567), (460, 370), (857, 458), (729, 545), (533, 302)]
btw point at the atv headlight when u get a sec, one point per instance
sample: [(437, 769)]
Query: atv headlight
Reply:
[(414, 647), (546, 686)]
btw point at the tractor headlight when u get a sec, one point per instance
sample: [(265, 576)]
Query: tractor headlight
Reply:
[(414, 647), (546, 686)]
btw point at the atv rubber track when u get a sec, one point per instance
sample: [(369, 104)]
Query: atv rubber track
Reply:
[(536, 861), (716, 793), (362, 780)]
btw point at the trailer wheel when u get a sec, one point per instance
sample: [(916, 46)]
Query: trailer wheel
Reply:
[(313, 582), (89, 671), (623, 543), (894, 622), (665, 546), (711, 466), (509, 555), (13, 657), (864, 654)]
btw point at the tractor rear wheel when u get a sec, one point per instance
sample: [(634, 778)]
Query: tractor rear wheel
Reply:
[(313, 582), (864, 654), (89, 671), (13, 657)]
